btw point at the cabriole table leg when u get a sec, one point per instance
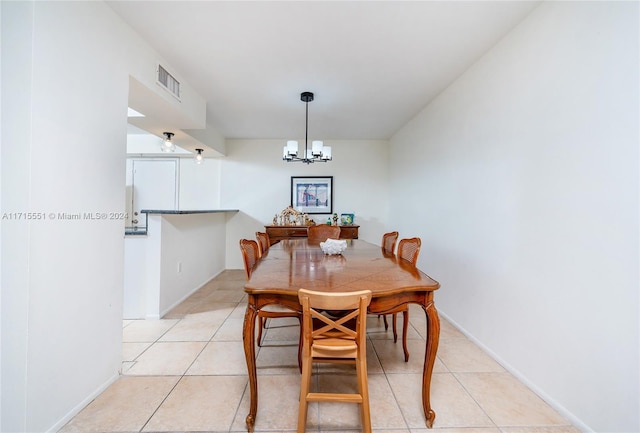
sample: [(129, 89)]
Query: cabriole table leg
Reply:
[(433, 338), (248, 338)]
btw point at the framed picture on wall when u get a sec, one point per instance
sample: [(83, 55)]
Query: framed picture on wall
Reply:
[(312, 194)]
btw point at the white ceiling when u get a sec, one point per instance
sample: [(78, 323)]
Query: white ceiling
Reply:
[(371, 64)]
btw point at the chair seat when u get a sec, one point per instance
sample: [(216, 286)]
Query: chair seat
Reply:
[(276, 308), (334, 348), (277, 311)]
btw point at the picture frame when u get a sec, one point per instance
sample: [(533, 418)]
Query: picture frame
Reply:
[(312, 194)]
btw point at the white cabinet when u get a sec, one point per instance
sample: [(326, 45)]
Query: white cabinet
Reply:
[(152, 183)]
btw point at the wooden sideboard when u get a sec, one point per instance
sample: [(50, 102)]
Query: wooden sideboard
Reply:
[(278, 233)]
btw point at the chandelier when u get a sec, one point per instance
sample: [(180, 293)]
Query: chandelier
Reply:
[(318, 152)]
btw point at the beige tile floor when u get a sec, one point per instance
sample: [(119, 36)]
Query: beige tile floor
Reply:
[(186, 373)]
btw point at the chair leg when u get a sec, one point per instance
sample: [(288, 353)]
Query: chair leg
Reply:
[(405, 328), (363, 389), (305, 384), (263, 324), (395, 329), (386, 324), (300, 345)]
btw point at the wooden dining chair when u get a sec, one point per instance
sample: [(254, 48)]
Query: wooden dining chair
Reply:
[(334, 340), (322, 232), (408, 249), (263, 242), (251, 256), (389, 242), (388, 247)]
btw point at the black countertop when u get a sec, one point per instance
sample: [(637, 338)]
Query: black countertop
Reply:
[(183, 212), (141, 231)]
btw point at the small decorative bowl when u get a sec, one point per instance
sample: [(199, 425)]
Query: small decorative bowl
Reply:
[(333, 246)]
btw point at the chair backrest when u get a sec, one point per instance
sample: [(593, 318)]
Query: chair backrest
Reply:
[(322, 232), (389, 242), (250, 254), (263, 242), (409, 249), (334, 338)]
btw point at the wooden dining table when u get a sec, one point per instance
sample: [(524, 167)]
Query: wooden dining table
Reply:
[(293, 264)]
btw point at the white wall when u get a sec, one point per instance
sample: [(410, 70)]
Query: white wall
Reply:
[(258, 182), (62, 279), (141, 255), (16, 87), (199, 185), (193, 252), (522, 180), (65, 87), (179, 254)]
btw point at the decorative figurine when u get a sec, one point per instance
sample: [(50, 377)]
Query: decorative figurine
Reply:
[(335, 219), (291, 217)]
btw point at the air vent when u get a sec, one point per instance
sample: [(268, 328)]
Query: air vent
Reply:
[(167, 81)]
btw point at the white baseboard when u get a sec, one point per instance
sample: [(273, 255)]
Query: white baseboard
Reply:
[(191, 292), (76, 410)]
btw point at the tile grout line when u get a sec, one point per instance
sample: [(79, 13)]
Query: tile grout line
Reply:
[(386, 378)]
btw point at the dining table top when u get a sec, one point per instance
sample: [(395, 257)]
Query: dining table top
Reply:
[(292, 264)]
